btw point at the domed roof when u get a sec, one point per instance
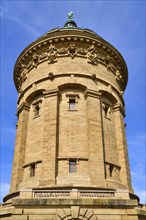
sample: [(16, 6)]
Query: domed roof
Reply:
[(70, 23)]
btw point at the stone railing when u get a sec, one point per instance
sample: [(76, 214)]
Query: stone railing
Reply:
[(74, 193), (68, 194), (95, 194), (51, 194)]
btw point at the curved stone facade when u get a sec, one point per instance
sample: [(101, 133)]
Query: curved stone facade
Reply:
[(70, 110), (71, 158)]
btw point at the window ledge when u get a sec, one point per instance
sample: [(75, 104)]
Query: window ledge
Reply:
[(36, 117)]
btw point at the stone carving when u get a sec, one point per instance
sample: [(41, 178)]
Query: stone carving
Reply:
[(62, 51), (29, 65), (121, 93), (51, 76), (93, 76), (43, 56), (118, 75), (72, 50), (108, 64), (75, 212), (19, 84), (35, 60), (48, 194), (92, 55), (23, 72), (24, 75), (82, 51), (97, 194), (52, 54)]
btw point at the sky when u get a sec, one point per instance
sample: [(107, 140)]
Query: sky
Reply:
[(121, 23)]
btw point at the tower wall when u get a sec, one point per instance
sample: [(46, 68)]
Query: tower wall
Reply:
[(71, 158)]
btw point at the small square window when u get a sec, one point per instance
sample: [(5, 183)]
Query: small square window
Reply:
[(72, 102), (72, 166)]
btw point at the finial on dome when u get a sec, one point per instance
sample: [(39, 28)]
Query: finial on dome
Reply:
[(70, 16), (70, 23)]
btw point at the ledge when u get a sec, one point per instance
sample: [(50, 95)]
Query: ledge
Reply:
[(105, 203)]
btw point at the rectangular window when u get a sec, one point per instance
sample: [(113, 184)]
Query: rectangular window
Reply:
[(106, 110), (32, 169), (36, 110), (37, 107), (72, 166), (72, 100), (72, 104), (111, 168)]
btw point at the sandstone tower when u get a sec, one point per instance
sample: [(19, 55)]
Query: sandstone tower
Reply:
[(71, 159)]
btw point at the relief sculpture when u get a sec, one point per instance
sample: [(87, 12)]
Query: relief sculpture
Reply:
[(52, 54), (72, 50), (92, 55)]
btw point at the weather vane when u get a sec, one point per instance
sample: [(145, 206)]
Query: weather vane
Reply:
[(70, 15)]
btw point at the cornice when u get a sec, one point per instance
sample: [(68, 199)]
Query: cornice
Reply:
[(74, 44), (23, 106), (118, 107)]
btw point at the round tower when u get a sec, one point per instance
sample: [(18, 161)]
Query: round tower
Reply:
[(70, 132)]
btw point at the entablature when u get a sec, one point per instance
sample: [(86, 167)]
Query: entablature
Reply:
[(71, 44)]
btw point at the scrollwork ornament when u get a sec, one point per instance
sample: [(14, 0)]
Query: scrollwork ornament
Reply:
[(43, 56), (92, 55), (24, 75), (118, 75), (35, 60), (108, 64), (52, 54)]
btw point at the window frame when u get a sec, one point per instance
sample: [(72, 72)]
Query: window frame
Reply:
[(32, 169), (72, 99), (36, 108), (72, 166)]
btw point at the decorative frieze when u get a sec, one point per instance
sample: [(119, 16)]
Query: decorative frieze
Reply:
[(94, 53)]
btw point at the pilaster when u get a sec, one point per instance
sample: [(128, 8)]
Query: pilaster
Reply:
[(95, 139), (49, 163), (20, 145), (122, 146)]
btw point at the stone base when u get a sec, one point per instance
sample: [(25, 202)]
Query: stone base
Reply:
[(72, 205)]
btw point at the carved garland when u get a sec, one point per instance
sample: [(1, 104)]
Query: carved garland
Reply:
[(92, 55)]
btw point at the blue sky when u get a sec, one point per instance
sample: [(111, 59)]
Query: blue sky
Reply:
[(121, 23)]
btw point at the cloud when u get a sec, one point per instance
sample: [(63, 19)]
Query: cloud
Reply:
[(4, 190), (137, 140), (13, 13)]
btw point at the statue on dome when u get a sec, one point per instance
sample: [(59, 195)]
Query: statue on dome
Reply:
[(70, 15)]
